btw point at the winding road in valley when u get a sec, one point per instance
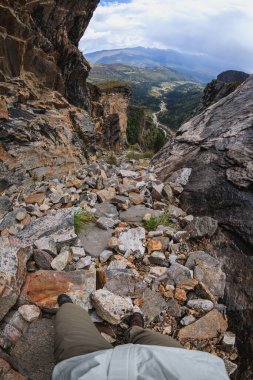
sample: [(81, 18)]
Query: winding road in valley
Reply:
[(166, 130)]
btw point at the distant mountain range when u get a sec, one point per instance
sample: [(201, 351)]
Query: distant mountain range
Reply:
[(199, 67), (138, 75)]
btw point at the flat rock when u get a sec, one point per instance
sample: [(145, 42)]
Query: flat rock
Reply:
[(153, 304), (105, 255), (206, 327), (207, 269), (94, 240), (131, 241), (136, 198), (200, 304), (179, 273), (106, 223), (122, 282), (35, 198), (43, 287), (135, 214), (128, 173), (33, 354), (202, 226), (47, 225), (176, 211), (106, 209), (13, 259), (111, 307)]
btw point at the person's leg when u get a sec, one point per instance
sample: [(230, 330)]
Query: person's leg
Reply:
[(75, 334), (139, 335)]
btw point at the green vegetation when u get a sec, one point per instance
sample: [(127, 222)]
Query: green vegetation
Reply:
[(81, 219), (180, 101), (139, 156), (163, 220), (112, 160), (111, 84), (142, 131)]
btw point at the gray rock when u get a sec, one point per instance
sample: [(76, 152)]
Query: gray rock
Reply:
[(46, 244), (60, 262), (84, 262), (34, 352), (5, 206), (128, 173), (111, 307), (107, 210), (47, 225), (131, 241), (200, 304), (158, 258), (168, 193), (176, 211), (174, 308), (178, 273), (42, 259), (13, 259), (77, 253), (202, 226), (106, 223), (208, 270), (94, 240), (187, 320), (157, 192), (105, 255), (181, 176), (135, 214), (124, 282), (153, 304)]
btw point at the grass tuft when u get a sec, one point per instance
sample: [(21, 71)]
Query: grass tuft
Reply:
[(81, 219), (139, 156), (112, 160), (162, 220)]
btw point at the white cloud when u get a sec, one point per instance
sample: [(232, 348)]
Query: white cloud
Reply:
[(219, 28)]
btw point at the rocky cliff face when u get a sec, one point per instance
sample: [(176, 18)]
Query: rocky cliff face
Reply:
[(217, 89), (42, 40), (43, 79), (109, 103), (217, 146)]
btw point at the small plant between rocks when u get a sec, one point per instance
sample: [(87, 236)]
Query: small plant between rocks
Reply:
[(112, 160), (153, 222), (139, 156), (81, 219)]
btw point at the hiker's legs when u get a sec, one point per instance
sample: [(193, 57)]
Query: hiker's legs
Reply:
[(139, 335), (75, 334)]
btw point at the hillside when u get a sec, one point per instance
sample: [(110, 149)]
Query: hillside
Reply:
[(199, 67)]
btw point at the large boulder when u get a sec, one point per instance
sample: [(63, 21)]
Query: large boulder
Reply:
[(217, 145), (13, 259)]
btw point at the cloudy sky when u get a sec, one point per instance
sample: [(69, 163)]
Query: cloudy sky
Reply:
[(219, 28)]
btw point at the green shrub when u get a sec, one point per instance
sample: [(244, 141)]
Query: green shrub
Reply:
[(112, 160), (139, 156), (81, 219)]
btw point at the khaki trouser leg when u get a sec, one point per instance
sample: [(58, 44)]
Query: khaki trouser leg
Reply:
[(139, 335), (75, 334)]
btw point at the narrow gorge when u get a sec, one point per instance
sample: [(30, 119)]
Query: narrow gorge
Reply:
[(82, 214)]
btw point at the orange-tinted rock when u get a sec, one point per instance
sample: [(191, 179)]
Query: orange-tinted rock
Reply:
[(43, 287), (180, 295), (154, 245), (206, 327), (136, 198), (3, 109), (188, 284), (35, 198)]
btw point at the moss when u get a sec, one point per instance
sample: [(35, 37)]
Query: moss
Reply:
[(162, 220), (81, 219)]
